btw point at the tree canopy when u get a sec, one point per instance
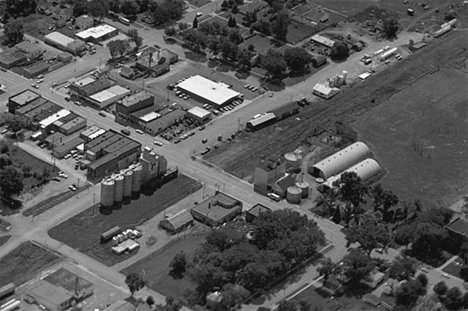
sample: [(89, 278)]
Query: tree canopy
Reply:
[(118, 47), (440, 288), (279, 26), (11, 182), (297, 59), (14, 32), (358, 266), (134, 282), (402, 268), (339, 51), (168, 10), (21, 7), (135, 37), (409, 292), (274, 64), (390, 27)]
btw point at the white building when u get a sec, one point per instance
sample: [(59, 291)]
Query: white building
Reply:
[(323, 40), (325, 91), (199, 114), (56, 116), (109, 96), (98, 34), (208, 91)]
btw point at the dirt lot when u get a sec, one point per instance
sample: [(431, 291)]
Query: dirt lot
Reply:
[(156, 265), (242, 155), (83, 231), (24, 262)]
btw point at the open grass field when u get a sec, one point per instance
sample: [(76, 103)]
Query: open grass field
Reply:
[(156, 265), (4, 239), (454, 268), (419, 135), (25, 262), (298, 31), (261, 44), (248, 150), (82, 232)]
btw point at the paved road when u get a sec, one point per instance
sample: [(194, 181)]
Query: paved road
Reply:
[(178, 155)]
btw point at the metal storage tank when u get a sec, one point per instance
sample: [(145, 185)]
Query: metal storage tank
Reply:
[(136, 181), (292, 160), (119, 186), (304, 189), (115, 241), (107, 192), (294, 195), (128, 179)]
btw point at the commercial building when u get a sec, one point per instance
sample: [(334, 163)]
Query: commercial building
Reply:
[(34, 69), (255, 211), (48, 122), (71, 126), (31, 50), (217, 209), (63, 148), (208, 91), (133, 103), (323, 40), (178, 222), (110, 152), (286, 110), (52, 297), (31, 106), (42, 112), (98, 34), (325, 91), (267, 176), (341, 160), (86, 134), (84, 22), (10, 58), (199, 114), (168, 118), (65, 43), (127, 73), (21, 99), (87, 86), (107, 97)]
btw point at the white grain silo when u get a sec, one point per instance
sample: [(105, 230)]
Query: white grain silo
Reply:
[(293, 195), (119, 186), (115, 241), (128, 181), (107, 192), (293, 160), (136, 181), (304, 189)]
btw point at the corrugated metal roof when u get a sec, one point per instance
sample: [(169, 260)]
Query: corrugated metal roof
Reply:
[(266, 117), (179, 220)]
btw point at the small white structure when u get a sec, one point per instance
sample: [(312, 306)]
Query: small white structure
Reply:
[(323, 40), (199, 114), (325, 91), (98, 33), (388, 54), (364, 76)]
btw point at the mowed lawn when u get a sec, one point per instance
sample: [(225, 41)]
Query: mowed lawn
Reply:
[(298, 31), (83, 231), (156, 265), (25, 262)]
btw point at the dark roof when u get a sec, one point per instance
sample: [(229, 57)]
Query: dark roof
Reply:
[(459, 226), (32, 105), (11, 56), (142, 112), (96, 141), (69, 145), (218, 206), (166, 120), (179, 220), (285, 109), (257, 209), (106, 143), (286, 182), (114, 155), (371, 299)]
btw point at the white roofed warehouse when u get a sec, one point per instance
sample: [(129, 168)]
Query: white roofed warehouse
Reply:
[(365, 170), (208, 91), (341, 160), (199, 114), (98, 34)]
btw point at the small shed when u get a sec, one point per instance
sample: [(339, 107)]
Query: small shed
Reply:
[(199, 114), (318, 60), (178, 222), (213, 300)]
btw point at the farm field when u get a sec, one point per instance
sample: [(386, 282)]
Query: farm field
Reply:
[(25, 262), (156, 265), (82, 232), (248, 150)]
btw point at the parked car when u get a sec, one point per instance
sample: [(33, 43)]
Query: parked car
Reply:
[(77, 103), (102, 114), (139, 132), (157, 143), (72, 188)]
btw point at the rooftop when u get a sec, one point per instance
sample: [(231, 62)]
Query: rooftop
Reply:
[(84, 81), (166, 120), (55, 294), (218, 206), (264, 118), (73, 122), (118, 90), (150, 116), (68, 280), (11, 56), (257, 209), (90, 130), (199, 112), (96, 32), (109, 157), (25, 97), (103, 96), (460, 226), (208, 89), (180, 219), (135, 98), (59, 37)]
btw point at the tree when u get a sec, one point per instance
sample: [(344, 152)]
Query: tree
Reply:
[(150, 300), (21, 7), (279, 26), (402, 268), (464, 273), (14, 32), (464, 300), (250, 18), (274, 64), (326, 268), (117, 47), (178, 263), (98, 9), (337, 215), (358, 266), (440, 288), (195, 23), (448, 16), (351, 188), (235, 9), (134, 282), (130, 8), (405, 235), (135, 37), (383, 199), (170, 31), (453, 298), (339, 51), (408, 293), (243, 58), (11, 182), (297, 59), (262, 26), (371, 234), (232, 23), (428, 239), (233, 295), (287, 305), (224, 5), (80, 7), (390, 27)]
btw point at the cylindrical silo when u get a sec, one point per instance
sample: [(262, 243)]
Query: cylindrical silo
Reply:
[(292, 160), (119, 186), (107, 192), (294, 195), (136, 182), (304, 189), (128, 178)]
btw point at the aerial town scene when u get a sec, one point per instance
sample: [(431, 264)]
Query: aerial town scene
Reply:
[(249, 155)]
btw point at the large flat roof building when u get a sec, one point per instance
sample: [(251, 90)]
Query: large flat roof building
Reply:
[(208, 91), (10, 58), (98, 34), (217, 210), (31, 106), (54, 298), (135, 102), (21, 99), (107, 97)]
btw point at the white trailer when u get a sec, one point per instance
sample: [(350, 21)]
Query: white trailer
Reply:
[(388, 53), (13, 306)]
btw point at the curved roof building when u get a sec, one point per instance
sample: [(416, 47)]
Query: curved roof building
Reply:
[(364, 169), (341, 160)]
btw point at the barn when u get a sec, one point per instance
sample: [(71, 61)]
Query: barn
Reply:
[(341, 160)]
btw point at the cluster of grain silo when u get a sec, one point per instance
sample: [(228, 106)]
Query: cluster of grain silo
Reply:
[(304, 189), (293, 160), (294, 194), (121, 185)]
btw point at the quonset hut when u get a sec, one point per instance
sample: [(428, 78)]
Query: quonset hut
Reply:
[(365, 170), (341, 160)]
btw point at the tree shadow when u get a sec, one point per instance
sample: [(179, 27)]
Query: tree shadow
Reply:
[(242, 74), (196, 57), (177, 275), (273, 85)]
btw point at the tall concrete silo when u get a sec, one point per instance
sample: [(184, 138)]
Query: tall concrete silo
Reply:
[(293, 195), (136, 182), (107, 192), (304, 189), (292, 160), (119, 187), (128, 182)]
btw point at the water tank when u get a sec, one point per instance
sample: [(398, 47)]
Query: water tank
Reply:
[(119, 186), (304, 189), (128, 179), (293, 160), (115, 241), (293, 195), (107, 192), (136, 182)]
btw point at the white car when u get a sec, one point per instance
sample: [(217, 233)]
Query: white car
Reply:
[(199, 14), (68, 156), (72, 188), (139, 132), (157, 143)]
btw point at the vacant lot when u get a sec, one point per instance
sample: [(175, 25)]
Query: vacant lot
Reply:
[(261, 44), (156, 265), (24, 263), (298, 31), (83, 231), (241, 156)]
